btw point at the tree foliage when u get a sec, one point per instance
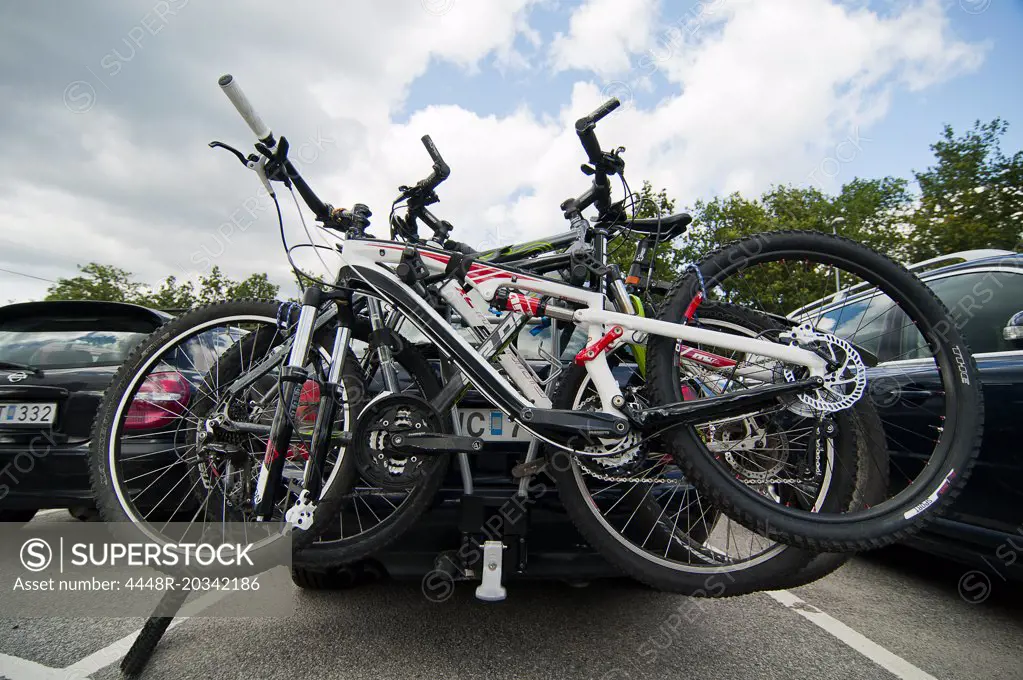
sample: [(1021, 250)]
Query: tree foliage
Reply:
[(106, 282), (972, 197), (96, 282)]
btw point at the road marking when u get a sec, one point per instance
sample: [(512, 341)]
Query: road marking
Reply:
[(16, 668), (116, 650), (882, 657), (50, 512)]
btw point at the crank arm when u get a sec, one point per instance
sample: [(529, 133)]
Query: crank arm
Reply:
[(714, 408), (427, 443)]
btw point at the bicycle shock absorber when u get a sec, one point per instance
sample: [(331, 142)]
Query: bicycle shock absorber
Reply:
[(293, 374)]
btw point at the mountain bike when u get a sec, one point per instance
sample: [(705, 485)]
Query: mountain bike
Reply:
[(707, 542), (791, 385)]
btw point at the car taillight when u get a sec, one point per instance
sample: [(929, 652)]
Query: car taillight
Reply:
[(160, 400)]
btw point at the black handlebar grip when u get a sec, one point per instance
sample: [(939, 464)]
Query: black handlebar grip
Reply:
[(431, 149), (606, 108), (587, 122), (440, 167)]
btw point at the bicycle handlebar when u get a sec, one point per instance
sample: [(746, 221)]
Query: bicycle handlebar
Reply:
[(584, 128), (274, 151), (230, 87)]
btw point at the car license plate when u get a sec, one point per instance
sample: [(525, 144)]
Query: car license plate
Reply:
[(491, 426), (33, 413)]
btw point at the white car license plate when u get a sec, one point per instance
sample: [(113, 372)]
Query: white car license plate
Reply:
[(33, 413), (492, 426)]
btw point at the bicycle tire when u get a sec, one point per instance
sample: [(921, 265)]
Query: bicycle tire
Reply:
[(887, 522)]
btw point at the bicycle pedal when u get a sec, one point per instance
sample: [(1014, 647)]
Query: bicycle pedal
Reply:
[(533, 467), (490, 589)]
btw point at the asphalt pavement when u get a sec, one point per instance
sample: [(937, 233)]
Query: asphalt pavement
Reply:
[(892, 614)]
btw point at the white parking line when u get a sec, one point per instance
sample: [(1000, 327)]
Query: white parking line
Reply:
[(16, 668), (882, 657), (50, 512)]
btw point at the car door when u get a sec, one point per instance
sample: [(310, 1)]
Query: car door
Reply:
[(980, 302)]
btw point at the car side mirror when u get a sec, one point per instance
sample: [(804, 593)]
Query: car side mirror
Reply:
[(1013, 330)]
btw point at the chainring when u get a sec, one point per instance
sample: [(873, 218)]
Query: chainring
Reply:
[(377, 462)]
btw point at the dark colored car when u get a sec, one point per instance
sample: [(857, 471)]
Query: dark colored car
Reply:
[(983, 290), (56, 360)]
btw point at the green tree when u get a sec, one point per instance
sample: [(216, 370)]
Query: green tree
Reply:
[(171, 295), (216, 287), (622, 249), (972, 197), (96, 282), (873, 212), (105, 282), (256, 286)]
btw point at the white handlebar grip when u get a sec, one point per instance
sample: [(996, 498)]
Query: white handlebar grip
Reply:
[(241, 102)]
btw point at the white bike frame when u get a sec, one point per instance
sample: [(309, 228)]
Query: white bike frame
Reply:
[(370, 261)]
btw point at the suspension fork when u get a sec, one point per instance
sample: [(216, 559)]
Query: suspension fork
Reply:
[(332, 395), (293, 376)]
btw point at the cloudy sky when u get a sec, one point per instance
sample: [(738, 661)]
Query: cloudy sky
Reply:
[(108, 107)]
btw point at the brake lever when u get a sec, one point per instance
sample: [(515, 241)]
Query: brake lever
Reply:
[(238, 154), (252, 162)]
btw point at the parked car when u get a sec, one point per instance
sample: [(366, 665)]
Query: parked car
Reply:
[(56, 359), (983, 290)]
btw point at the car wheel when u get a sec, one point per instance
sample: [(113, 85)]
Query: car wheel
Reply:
[(84, 513), (17, 516)]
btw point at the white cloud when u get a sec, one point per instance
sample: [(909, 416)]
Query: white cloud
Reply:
[(603, 33), (760, 92)]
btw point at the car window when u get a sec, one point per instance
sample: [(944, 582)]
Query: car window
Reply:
[(980, 304), (529, 345), (69, 342), (864, 321)]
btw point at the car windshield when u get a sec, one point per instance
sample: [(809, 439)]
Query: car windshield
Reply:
[(69, 342)]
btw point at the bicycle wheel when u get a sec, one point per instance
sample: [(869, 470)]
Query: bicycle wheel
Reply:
[(164, 451), (372, 514), (882, 309), (643, 514)]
